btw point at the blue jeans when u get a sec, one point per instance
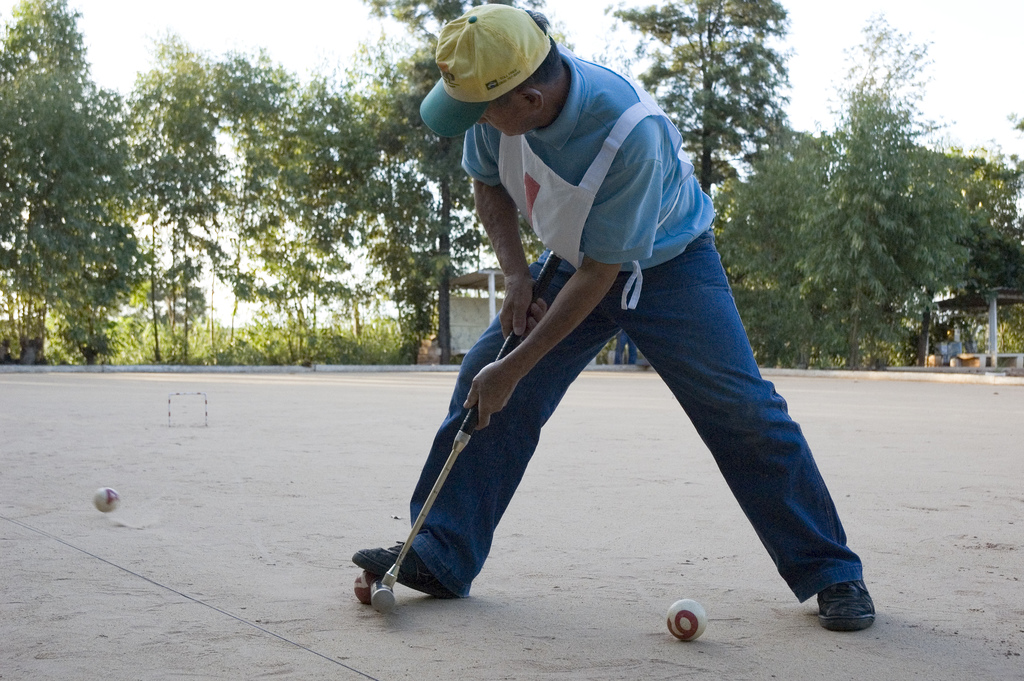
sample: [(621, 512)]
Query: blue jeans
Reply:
[(686, 324), (625, 349)]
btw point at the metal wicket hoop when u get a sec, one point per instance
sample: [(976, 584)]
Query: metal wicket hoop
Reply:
[(206, 407)]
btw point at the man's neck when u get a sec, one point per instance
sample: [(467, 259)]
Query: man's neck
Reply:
[(555, 96)]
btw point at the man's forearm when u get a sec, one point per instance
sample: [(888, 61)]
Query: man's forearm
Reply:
[(500, 218), (577, 299), (495, 382)]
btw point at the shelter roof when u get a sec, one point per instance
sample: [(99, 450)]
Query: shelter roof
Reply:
[(478, 280), (979, 302)]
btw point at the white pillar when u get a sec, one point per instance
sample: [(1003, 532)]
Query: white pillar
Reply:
[(491, 306), (993, 329)]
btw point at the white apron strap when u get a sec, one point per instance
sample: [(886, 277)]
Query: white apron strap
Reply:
[(627, 121), (636, 282)]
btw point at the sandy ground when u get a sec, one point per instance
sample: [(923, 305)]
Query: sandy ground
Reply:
[(229, 555)]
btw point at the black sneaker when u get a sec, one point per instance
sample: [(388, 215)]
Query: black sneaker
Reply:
[(413, 573), (846, 606)]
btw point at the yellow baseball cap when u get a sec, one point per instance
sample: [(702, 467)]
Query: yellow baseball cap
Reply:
[(483, 54)]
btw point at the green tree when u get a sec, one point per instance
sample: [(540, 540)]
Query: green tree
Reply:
[(884, 234), (992, 195), (405, 238), (427, 229), (837, 244), (331, 159), (182, 179), (760, 238), (65, 249), (309, 155), (255, 103), (257, 178), (715, 71)]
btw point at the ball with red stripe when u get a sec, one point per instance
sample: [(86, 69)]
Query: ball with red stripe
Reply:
[(687, 619), (106, 499)]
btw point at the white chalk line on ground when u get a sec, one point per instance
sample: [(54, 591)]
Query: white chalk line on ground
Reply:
[(187, 597)]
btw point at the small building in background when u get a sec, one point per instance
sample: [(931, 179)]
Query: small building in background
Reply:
[(991, 356), (476, 300)]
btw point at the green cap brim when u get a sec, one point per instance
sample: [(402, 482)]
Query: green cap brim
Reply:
[(447, 116)]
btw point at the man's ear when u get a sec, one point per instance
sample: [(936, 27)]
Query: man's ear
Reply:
[(533, 96)]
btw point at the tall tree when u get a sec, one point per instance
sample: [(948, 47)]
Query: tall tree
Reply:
[(716, 72), (759, 236), (322, 155), (182, 178), (334, 186), (838, 243), (64, 244), (255, 103), (993, 199), (884, 234), (434, 228)]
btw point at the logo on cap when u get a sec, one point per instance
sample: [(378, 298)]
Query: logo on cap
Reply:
[(448, 76)]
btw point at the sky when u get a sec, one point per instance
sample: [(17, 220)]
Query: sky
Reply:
[(977, 77)]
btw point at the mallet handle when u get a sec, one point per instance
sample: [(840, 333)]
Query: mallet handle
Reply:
[(540, 287), (512, 341)]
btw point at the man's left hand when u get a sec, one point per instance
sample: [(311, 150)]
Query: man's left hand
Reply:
[(491, 390)]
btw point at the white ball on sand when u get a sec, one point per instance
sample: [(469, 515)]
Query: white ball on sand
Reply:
[(687, 619), (106, 499)]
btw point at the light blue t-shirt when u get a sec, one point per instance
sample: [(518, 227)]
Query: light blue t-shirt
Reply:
[(636, 213)]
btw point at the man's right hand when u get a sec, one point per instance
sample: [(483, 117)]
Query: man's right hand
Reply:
[(520, 313)]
